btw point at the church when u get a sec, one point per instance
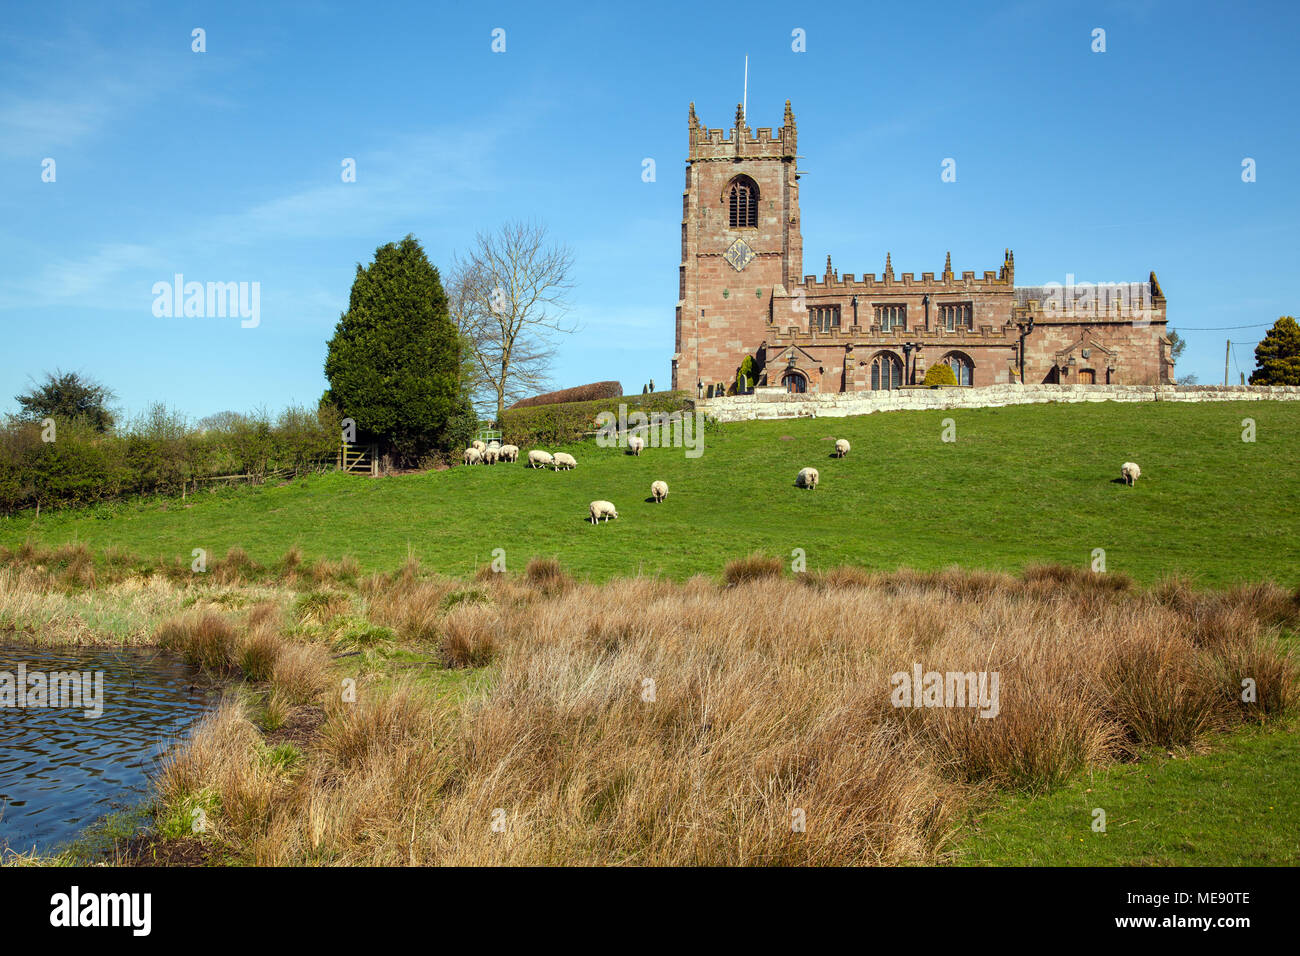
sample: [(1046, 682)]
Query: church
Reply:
[(742, 293)]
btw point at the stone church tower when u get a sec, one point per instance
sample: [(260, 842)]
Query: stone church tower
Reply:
[(741, 244)]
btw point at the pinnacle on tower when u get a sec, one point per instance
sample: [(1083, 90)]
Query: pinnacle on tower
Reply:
[(789, 115), (829, 271), (889, 267), (694, 120), (1156, 291), (740, 116), (947, 264)]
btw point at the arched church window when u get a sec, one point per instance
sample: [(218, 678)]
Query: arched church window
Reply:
[(886, 372), (742, 202), (962, 367)]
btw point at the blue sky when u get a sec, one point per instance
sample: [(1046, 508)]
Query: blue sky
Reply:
[(225, 165)]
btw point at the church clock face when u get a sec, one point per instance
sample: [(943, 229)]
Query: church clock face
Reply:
[(739, 254)]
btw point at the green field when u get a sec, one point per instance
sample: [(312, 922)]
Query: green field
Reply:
[(1236, 806), (1019, 486)]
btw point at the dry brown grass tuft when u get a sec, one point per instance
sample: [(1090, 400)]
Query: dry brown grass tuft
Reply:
[(546, 575), (377, 724), (755, 567), (470, 635), (301, 673), (258, 652), (235, 568), (321, 607), (203, 638), (1160, 692), (410, 606)]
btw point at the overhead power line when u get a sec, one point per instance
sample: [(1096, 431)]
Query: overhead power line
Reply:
[(1220, 328)]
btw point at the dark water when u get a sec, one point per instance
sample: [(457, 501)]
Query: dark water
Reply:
[(61, 771)]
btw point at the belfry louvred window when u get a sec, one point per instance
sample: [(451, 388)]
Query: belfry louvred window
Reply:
[(742, 201)]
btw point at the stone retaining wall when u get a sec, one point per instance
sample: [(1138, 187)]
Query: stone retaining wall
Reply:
[(777, 403)]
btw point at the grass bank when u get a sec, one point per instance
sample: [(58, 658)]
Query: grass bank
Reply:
[(1019, 486)]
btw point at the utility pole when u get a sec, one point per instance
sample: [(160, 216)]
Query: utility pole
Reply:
[(744, 103), (1227, 350)]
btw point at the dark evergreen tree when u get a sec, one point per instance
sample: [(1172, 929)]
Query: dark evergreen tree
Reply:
[(394, 363), (1277, 357)]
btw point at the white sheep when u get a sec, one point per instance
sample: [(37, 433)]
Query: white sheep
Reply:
[(490, 455), (477, 446), (565, 461), (540, 459), (635, 444), (472, 456), (509, 453), (808, 478), (842, 448), (659, 491), (1130, 472), (602, 509)]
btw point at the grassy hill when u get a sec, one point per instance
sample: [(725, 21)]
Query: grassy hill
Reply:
[(1019, 486)]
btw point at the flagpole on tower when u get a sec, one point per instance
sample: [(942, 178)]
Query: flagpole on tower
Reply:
[(744, 105)]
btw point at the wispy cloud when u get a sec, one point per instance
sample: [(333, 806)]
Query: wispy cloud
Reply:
[(414, 177)]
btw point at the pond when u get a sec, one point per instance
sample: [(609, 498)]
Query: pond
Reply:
[(81, 730)]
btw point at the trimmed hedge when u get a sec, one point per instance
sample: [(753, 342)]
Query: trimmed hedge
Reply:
[(570, 422), (579, 393)]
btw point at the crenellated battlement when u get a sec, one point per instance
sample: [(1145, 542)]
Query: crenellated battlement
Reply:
[(992, 282), (720, 137), (741, 139)]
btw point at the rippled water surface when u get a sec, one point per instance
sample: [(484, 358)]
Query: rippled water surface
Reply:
[(59, 770)]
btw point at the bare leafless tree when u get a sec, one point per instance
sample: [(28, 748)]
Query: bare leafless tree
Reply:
[(507, 296)]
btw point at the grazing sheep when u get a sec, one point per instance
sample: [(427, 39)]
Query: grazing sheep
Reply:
[(477, 446), (490, 455), (1130, 472), (509, 453), (841, 448), (540, 459), (602, 509), (472, 456), (659, 491), (565, 461), (808, 478), (635, 444)]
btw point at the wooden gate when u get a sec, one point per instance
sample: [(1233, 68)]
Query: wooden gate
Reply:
[(359, 459)]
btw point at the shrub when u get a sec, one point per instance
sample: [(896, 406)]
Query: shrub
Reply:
[(745, 377), (940, 373)]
